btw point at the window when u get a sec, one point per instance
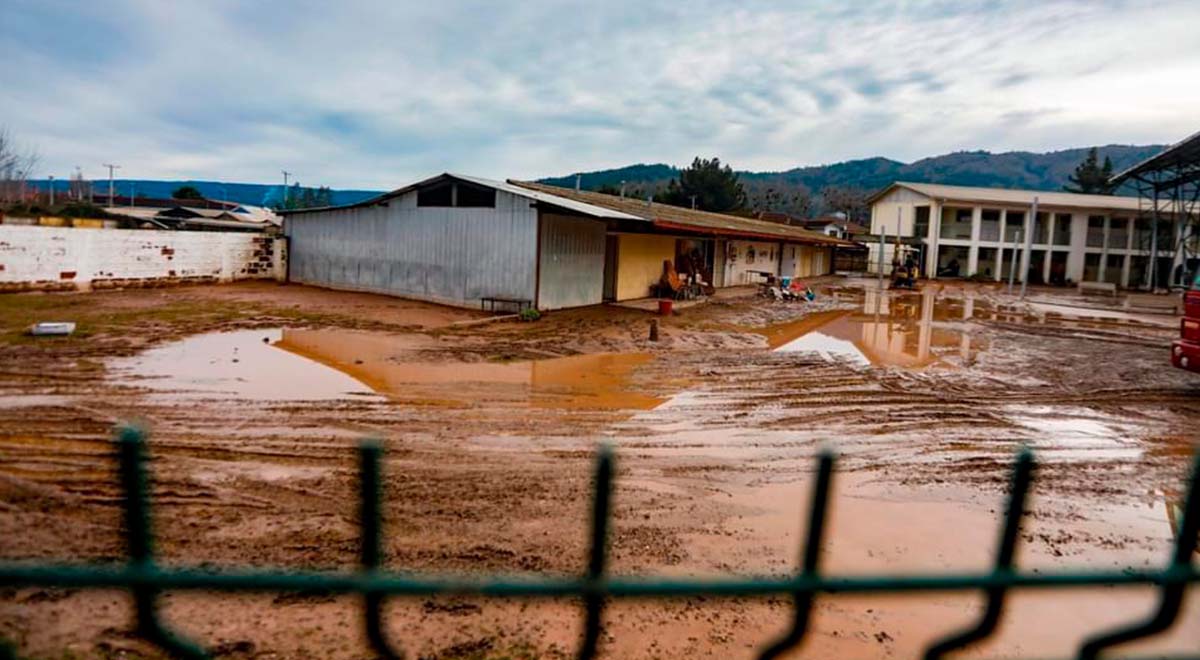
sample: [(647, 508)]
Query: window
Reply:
[(1095, 235), (989, 229), (437, 195), (956, 223), (1062, 228), (462, 195), (1118, 233), (1014, 225), (1166, 235), (1114, 264), (921, 222), (475, 196), (1091, 267), (1041, 228)]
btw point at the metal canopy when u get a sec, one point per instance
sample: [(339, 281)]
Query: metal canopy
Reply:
[(1182, 155), (1168, 188)]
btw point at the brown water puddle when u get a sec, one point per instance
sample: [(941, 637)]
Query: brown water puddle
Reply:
[(595, 381), (912, 330), (283, 364)]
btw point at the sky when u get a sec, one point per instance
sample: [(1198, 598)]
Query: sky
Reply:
[(375, 95)]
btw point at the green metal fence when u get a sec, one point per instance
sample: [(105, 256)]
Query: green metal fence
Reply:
[(146, 580)]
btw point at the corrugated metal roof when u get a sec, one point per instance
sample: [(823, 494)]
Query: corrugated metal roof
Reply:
[(1007, 196), (1184, 152), (555, 200), (676, 217)]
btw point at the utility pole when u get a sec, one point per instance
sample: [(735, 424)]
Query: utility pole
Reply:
[(1012, 268), (51, 176), (286, 174), (882, 244), (1029, 246), (111, 190)]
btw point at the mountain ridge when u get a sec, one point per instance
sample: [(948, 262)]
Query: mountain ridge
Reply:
[(1011, 169)]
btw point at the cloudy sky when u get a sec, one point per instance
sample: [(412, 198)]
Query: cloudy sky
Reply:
[(376, 94)]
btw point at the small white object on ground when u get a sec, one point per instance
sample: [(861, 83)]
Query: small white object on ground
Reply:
[(52, 328)]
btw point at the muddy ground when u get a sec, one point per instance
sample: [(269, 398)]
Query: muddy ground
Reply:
[(256, 395)]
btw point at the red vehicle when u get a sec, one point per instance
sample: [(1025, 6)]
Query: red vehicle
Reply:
[(1185, 351)]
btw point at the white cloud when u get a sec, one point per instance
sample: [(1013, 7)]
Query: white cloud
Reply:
[(376, 94)]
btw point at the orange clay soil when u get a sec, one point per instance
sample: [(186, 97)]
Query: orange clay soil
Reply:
[(256, 395)]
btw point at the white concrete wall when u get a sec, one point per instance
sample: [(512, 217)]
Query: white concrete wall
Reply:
[(899, 204), (62, 258)]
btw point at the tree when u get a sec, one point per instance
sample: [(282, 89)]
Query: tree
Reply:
[(715, 188), (1090, 177), (850, 201), (305, 198), (776, 196), (187, 192), (15, 168), (80, 189)]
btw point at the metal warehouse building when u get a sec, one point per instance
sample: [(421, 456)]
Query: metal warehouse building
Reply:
[(459, 240)]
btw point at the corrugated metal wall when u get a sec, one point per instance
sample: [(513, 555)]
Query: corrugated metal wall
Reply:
[(572, 268), (449, 255)]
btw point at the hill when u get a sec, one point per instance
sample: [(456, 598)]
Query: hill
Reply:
[(802, 190), (258, 194)]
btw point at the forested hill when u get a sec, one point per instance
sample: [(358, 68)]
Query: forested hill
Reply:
[(1014, 169)]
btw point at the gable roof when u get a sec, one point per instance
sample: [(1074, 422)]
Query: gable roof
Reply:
[(553, 200), (1008, 196), (668, 216), (1011, 196)]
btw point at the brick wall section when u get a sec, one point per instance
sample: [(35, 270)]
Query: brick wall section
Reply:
[(61, 258)]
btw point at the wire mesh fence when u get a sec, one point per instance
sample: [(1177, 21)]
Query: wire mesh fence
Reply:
[(146, 580)]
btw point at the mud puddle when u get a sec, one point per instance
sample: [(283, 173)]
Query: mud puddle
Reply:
[(1064, 433), (287, 364), (912, 330)]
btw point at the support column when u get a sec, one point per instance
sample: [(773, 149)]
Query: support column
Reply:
[(931, 239), (1048, 255), (973, 250), (1002, 243), (1103, 253), (1127, 265)]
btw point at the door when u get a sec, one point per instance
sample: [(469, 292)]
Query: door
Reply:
[(611, 242)]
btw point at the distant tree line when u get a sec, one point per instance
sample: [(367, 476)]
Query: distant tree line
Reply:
[(297, 197), (708, 185)]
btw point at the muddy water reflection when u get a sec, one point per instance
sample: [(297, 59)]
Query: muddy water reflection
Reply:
[(244, 364), (322, 365), (596, 381), (893, 329)]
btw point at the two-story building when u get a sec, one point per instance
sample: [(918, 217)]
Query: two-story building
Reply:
[(964, 231)]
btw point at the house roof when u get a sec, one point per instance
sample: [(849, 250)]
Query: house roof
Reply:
[(668, 216), (1007, 196), (554, 200), (1184, 153)]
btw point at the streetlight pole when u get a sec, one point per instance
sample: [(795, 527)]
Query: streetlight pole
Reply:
[(111, 190), (1027, 261)]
